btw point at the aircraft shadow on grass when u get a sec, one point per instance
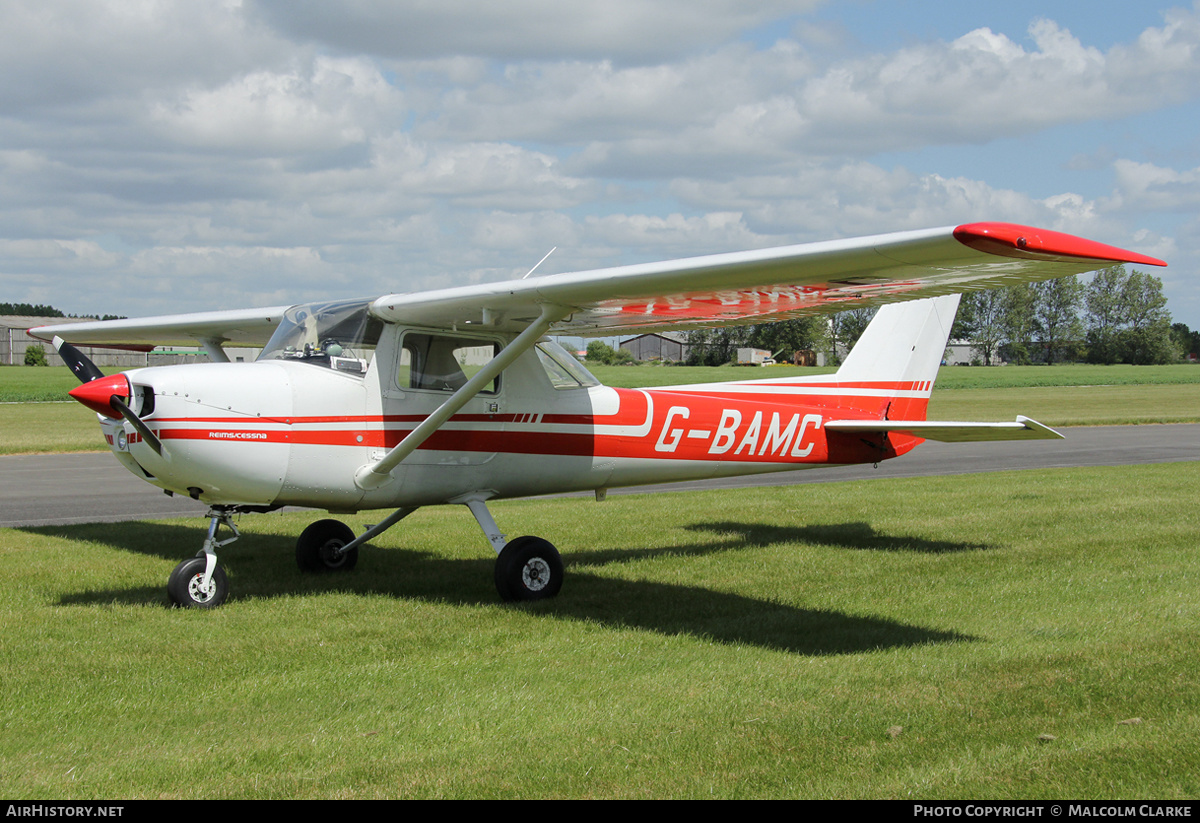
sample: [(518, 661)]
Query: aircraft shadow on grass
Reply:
[(862, 536), (263, 568)]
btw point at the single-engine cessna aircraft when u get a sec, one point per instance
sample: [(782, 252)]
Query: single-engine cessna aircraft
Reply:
[(366, 404)]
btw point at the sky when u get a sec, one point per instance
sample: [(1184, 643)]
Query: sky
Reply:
[(162, 157)]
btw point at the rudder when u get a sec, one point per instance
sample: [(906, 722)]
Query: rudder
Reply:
[(903, 347)]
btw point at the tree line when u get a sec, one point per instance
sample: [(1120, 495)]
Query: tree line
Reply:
[(29, 310), (39, 310), (1118, 316)]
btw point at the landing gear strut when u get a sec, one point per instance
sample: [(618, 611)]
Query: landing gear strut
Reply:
[(198, 582), (527, 568)]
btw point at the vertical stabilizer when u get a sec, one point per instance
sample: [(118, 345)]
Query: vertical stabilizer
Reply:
[(903, 347)]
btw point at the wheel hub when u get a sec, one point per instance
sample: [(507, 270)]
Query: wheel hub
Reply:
[(536, 574), (331, 553), (199, 592)]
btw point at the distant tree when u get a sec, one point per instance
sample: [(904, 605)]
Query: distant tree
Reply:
[(1127, 319), (716, 347), (1057, 327), (1105, 317), (35, 355), (1186, 340), (983, 321), (28, 310), (788, 336), (1018, 321), (846, 327), (1147, 334), (600, 352)]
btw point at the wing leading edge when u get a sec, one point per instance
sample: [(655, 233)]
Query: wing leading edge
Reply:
[(243, 327), (758, 286)]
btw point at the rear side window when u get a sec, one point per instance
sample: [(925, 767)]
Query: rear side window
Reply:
[(564, 371)]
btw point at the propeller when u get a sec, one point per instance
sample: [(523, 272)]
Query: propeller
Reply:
[(104, 395), (76, 361)]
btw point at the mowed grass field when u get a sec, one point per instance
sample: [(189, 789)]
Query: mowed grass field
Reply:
[(1009, 635), (32, 420)]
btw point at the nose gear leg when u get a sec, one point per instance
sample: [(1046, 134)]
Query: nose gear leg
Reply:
[(199, 582)]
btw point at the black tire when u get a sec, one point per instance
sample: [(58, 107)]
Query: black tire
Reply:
[(528, 568), (183, 587), (316, 549)]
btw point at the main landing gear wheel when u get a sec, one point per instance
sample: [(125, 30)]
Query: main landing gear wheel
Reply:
[(186, 585), (317, 548), (528, 568)]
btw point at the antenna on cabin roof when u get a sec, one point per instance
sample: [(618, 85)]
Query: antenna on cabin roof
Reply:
[(540, 262)]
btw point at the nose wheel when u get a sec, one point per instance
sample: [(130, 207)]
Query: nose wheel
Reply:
[(198, 582), (188, 589)]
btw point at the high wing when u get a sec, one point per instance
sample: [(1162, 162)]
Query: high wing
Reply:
[(726, 289), (767, 285), (243, 327)]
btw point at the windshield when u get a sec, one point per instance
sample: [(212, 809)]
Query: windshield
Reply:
[(341, 335)]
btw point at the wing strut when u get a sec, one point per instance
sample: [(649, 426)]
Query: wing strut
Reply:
[(212, 346), (374, 475)]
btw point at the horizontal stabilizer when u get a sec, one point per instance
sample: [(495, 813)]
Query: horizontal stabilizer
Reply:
[(951, 432)]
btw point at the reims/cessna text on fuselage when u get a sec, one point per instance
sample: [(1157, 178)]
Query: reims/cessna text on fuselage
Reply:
[(371, 404)]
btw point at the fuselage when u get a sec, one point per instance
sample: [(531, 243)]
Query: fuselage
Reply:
[(293, 430)]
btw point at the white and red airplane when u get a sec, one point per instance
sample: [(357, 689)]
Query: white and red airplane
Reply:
[(364, 404)]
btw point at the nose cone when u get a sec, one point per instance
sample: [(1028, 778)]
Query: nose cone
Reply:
[(96, 394)]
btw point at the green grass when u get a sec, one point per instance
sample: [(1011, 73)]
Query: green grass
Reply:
[(1073, 405), (23, 384), (896, 639), (35, 428), (949, 377)]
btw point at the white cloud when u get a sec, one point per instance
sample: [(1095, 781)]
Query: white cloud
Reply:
[(273, 148), (1145, 186), (629, 30), (331, 104), (71, 52)]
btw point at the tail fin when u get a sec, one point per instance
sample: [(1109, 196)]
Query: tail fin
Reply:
[(901, 351), (903, 347)]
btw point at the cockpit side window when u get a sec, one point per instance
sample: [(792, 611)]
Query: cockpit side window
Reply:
[(437, 362)]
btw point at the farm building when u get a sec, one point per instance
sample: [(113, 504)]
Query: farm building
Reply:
[(658, 346)]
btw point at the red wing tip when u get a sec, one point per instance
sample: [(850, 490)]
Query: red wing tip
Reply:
[(1013, 240)]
